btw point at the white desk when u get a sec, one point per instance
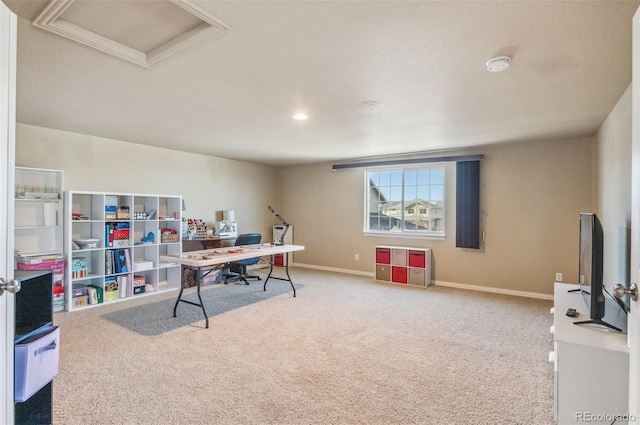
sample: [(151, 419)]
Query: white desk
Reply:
[(591, 364), (212, 259)]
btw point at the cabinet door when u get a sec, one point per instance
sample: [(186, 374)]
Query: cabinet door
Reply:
[(399, 274), (399, 257), (383, 256)]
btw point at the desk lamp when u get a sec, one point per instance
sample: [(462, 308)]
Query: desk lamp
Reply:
[(280, 240)]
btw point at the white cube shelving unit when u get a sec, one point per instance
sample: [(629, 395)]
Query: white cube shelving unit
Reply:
[(403, 265), (136, 217)]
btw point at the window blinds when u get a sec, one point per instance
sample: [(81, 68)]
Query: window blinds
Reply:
[(468, 204)]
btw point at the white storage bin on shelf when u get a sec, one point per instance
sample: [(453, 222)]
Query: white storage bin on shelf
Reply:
[(111, 236), (36, 362)]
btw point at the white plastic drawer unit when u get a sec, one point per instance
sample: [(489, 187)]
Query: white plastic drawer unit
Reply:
[(36, 362)]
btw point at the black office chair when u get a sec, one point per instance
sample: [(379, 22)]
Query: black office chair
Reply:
[(239, 268)]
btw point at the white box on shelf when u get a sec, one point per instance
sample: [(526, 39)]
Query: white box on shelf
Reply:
[(87, 243), (36, 362), (140, 264)]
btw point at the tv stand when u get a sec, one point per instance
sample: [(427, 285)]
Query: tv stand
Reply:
[(590, 363), (579, 290), (597, 322)]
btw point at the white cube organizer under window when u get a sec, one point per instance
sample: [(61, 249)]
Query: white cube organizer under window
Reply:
[(403, 265)]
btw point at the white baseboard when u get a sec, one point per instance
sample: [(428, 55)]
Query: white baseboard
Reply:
[(333, 269), (491, 289), (513, 292)]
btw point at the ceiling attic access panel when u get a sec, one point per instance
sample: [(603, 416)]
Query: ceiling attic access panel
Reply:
[(178, 25)]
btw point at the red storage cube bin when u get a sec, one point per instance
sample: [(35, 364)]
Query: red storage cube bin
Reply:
[(383, 255), (417, 259), (279, 260), (399, 274)]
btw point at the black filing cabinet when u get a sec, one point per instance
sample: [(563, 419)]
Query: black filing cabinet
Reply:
[(33, 314)]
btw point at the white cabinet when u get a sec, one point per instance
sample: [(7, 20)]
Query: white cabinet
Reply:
[(39, 231), (591, 365), (114, 242), (403, 265)]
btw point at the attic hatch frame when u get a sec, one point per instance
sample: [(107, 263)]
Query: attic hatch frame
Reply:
[(49, 20)]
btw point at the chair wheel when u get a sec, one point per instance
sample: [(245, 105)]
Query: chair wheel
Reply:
[(246, 283)]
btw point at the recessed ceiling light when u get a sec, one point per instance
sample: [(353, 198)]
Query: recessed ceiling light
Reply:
[(300, 116), (498, 64)]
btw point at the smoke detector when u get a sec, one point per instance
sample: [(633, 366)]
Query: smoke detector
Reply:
[(498, 64)]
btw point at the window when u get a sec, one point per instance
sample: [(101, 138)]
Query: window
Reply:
[(407, 201)]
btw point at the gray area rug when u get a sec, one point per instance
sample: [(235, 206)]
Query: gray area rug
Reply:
[(157, 317)]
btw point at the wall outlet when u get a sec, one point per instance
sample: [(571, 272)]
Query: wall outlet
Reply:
[(558, 277), (357, 257)]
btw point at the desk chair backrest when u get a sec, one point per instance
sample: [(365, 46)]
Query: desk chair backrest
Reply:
[(248, 239)]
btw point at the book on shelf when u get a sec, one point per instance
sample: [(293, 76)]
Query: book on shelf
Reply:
[(108, 262), (121, 260), (117, 261), (110, 289), (93, 295), (127, 259), (108, 235), (129, 285), (122, 286), (99, 294)]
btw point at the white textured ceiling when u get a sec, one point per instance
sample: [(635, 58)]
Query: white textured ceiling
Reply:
[(375, 77)]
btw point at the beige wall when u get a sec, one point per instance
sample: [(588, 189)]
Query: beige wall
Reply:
[(533, 193), (612, 178), (207, 184)]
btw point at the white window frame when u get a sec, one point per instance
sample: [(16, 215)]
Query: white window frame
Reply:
[(402, 232)]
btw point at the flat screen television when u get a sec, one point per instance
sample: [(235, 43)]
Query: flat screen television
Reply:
[(590, 275)]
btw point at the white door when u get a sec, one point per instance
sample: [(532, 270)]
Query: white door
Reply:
[(633, 325), (8, 25)]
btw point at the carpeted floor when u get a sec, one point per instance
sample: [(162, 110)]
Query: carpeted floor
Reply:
[(346, 350)]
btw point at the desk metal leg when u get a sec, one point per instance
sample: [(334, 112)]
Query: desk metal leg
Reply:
[(286, 268), (175, 307), (201, 304)]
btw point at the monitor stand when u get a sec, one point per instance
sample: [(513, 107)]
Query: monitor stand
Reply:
[(598, 322), (579, 290)]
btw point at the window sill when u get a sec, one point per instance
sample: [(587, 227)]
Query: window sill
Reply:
[(404, 235)]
